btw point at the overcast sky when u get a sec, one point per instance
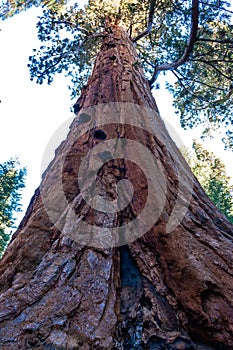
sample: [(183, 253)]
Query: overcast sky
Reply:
[(31, 113)]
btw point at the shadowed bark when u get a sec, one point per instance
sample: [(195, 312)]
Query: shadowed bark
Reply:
[(166, 290)]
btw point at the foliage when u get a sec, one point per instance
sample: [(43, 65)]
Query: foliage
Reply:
[(10, 8), (12, 180), (190, 38), (211, 173)]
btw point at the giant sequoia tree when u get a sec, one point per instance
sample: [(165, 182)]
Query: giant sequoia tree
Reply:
[(120, 247)]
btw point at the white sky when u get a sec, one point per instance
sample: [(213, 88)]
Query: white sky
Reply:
[(31, 113)]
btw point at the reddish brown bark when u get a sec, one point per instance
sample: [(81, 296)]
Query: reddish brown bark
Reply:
[(162, 291)]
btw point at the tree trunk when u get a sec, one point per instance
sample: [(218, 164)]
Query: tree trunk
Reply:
[(75, 277)]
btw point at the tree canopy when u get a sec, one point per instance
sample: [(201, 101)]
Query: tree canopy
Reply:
[(12, 179), (211, 173), (190, 38)]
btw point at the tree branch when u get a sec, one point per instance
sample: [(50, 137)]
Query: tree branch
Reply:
[(149, 22), (85, 31), (198, 81), (189, 90), (188, 49), (68, 53), (226, 98), (214, 67), (224, 41), (217, 6)]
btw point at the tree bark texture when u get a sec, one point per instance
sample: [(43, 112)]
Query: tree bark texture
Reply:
[(165, 290)]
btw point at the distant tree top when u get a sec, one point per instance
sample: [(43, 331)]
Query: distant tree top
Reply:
[(12, 180), (211, 173)]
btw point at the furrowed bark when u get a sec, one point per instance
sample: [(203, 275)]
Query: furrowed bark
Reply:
[(162, 291)]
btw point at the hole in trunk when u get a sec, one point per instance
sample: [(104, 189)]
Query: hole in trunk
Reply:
[(112, 58), (100, 134)]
